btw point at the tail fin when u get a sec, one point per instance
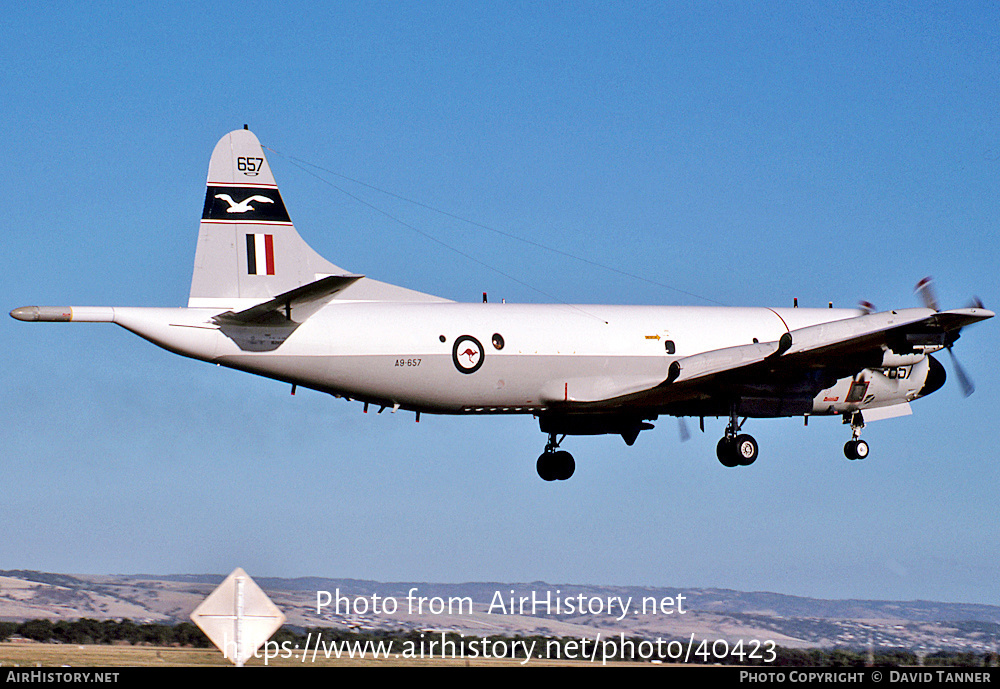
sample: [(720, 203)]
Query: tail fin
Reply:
[(248, 250)]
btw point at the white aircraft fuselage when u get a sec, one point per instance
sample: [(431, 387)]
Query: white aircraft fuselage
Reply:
[(549, 356)]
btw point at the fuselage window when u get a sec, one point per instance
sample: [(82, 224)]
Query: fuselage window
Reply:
[(669, 345)]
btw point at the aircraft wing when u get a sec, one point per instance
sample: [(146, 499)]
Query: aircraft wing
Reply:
[(808, 358)]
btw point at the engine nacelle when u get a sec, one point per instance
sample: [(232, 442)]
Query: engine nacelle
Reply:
[(903, 379), (892, 360)]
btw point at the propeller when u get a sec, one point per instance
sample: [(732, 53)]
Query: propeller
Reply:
[(682, 427), (867, 307), (925, 288), (963, 378)]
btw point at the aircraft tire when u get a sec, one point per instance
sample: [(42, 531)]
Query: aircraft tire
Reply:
[(856, 449), (745, 449), (861, 449), (547, 467), (726, 452), (564, 464)]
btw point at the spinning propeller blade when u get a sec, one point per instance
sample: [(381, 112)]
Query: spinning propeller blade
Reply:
[(925, 288), (926, 291), (682, 427), (963, 378)]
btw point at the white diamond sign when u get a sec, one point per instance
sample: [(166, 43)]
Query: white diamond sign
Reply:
[(238, 617)]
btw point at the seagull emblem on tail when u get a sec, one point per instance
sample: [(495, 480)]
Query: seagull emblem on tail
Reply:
[(243, 206)]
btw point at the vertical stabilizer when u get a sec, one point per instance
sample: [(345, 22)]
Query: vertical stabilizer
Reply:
[(248, 249)]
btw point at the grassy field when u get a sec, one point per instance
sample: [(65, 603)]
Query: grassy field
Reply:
[(54, 655)]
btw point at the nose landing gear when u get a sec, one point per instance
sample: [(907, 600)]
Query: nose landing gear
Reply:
[(555, 465), (856, 448)]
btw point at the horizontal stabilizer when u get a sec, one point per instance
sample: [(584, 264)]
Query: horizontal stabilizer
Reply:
[(294, 305)]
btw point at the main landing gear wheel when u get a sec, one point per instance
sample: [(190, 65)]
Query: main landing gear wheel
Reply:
[(725, 452), (739, 451), (746, 449), (856, 449), (555, 466), (736, 449)]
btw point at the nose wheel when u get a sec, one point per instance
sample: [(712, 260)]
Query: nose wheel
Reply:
[(856, 448), (553, 464)]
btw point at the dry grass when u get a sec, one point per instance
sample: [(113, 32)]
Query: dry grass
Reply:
[(55, 655)]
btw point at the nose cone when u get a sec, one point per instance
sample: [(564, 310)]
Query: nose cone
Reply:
[(25, 313), (936, 377)]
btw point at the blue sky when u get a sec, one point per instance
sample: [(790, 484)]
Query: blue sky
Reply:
[(745, 154)]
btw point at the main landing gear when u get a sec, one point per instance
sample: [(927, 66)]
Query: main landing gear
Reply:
[(856, 448), (736, 449), (555, 465)]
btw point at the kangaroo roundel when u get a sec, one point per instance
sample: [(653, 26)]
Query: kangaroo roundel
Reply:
[(468, 354)]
